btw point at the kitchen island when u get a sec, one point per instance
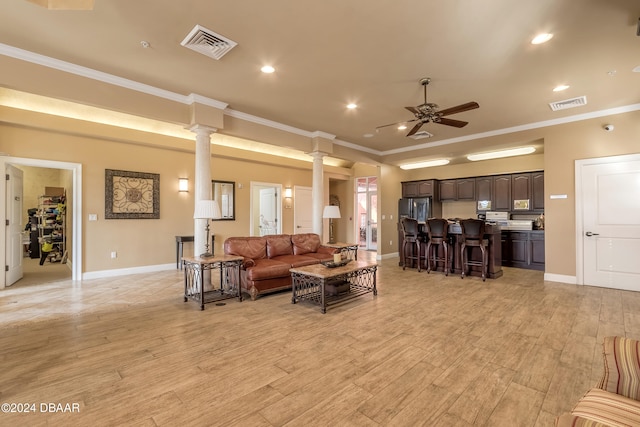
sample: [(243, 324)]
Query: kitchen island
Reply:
[(492, 234)]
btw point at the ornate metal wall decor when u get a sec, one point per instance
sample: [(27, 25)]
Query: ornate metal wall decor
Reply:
[(131, 195)]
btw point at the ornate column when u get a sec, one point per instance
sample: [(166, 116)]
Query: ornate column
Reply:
[(317, 192), (202, 182)]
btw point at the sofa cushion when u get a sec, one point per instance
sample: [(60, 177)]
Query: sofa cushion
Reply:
[(621, 367), (305, 243), (568, 420), (278, 244), (267, 269), (296, 260), (248, 247), (608, 408)]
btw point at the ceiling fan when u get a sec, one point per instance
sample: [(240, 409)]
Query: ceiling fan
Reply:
[(428, 112)]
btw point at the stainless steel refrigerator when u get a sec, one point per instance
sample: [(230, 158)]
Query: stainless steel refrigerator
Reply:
[(418, 208)]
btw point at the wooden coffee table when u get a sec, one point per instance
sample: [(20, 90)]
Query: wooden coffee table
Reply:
[(326, 286)]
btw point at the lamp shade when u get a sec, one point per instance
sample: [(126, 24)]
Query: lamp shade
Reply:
[(331, 212), (208, 209)]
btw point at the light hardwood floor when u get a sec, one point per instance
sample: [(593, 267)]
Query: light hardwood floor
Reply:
[(428, 350)]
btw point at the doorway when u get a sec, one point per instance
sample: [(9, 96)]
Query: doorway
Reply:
[(266, 209), (72, 182), (367, 212), (302, 210), (608, 222)]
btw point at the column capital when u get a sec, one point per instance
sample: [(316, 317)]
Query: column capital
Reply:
[(317, 154), (199, 129)]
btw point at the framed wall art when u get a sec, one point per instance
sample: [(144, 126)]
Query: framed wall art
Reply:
[(131, 195)]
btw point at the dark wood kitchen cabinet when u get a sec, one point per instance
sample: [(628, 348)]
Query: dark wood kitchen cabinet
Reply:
[(457, 189), (484, 190), (419, 188), (537, 191), (523, 249), (521, 189), (448, 190), (466, 188), (501, 193)]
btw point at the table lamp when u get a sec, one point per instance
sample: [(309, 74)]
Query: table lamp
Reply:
[(207, 209), (331, 212)]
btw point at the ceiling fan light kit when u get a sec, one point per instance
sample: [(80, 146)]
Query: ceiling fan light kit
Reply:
[(428, 112)]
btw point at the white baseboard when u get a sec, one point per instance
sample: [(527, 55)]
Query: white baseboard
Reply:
[(125, 271), (560, 278), (387, 256)]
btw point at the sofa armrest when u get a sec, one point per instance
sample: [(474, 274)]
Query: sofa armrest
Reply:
[(247, 262), (327, 250), (621, 367)]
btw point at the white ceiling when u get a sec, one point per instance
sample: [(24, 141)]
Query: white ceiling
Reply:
[(333, 52)]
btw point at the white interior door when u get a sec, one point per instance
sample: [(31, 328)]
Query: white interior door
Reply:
[(15, 226), (302, 210), (268, 211), (611, 225)]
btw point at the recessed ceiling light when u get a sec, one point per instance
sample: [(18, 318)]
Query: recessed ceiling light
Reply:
[(267, 69), (499, 154), (560, 88), (542, 38), (402, 127), (352, 106), (368, 135), (425, 164)]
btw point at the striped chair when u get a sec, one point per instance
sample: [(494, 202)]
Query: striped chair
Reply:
[(615, 401)]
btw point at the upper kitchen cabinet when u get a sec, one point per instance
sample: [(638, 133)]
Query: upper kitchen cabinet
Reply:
[(419, 188), (528, 191), (537, 191), (457, 189), (501, 193), (466, 188), (521, 191), (484, 193), (447, 189)]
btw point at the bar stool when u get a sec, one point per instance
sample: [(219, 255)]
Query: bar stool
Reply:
[(411, 236), (437, 230), (473, 236)]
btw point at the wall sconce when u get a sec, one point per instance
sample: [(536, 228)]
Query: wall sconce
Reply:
[(183, 185), (287, 197)]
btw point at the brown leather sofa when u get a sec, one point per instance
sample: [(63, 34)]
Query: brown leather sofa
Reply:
[(267, 259)]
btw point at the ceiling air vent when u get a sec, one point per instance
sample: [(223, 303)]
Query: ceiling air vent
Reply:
[(421, 134), (568, 103), (207, 42)]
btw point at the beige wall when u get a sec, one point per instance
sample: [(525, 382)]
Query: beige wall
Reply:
[(150, 242)]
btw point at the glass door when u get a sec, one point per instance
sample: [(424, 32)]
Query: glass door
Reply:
[(367, 212)]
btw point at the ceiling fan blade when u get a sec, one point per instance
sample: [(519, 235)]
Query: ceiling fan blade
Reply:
[(414, 110), (415, 129), (459, 108), (396, 123), (451, 122)]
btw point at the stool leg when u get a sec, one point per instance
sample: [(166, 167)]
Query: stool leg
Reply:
[(418, 255), (446, 258), (462, 252), (484, 263), (427, 257), (404, 254)]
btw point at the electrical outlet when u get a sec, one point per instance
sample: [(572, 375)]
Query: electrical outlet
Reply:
[(114, 254)]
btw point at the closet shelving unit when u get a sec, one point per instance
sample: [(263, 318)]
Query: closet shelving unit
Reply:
[(52, 225)]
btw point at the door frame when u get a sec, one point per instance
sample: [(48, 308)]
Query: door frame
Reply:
[(254, 209), (579, 165), (76, 170)]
